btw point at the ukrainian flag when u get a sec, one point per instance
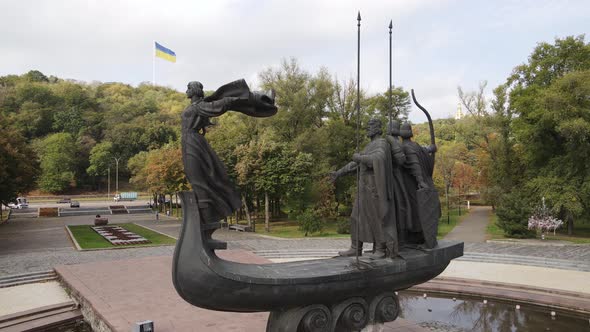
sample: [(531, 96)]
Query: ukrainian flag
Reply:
[(165, 53)]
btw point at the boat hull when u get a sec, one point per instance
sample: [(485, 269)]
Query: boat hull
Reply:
[(204, 280)]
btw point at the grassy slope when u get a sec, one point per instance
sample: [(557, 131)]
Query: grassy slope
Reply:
[(88, 239)]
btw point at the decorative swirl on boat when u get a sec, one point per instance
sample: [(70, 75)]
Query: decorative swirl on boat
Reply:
[(352, 314), (317, 319), (311, 318), (384, 308)]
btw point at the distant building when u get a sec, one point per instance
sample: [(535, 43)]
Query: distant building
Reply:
[(459, 115)]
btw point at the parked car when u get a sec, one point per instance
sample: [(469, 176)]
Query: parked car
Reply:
[(64, 200), (21, 203), (74, 204)]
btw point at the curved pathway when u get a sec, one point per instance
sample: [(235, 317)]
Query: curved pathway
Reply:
[(472, 227)]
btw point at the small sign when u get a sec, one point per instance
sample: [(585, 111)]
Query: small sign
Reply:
[(144, 326)]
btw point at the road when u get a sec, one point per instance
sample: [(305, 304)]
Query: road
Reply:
[(85, 203)]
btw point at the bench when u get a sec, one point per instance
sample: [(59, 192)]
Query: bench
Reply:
[(241, 228)]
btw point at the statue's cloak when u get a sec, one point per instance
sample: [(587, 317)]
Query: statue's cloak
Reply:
[(403, 209), (373, 205)]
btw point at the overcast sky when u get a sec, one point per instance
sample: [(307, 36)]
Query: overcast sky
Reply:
[(438, 44)]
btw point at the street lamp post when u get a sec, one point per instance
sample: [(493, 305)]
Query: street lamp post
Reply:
[(109, 183), (117, 175)]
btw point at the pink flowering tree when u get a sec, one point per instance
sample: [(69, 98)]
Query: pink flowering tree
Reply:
[(543, 221)]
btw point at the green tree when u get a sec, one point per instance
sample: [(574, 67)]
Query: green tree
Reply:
[(550, 123), (18, 164), (378, 105), (137, 167), (555, 124), (101, 157), (303, 98), (549, 62), (35, 76), (514, 210), (275, 171), (310, 222), (58, 162)]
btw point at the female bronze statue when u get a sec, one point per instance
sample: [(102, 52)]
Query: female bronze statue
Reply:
[(216, 195)]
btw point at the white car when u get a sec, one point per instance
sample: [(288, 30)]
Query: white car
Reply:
[(21, 203), (18, 205)]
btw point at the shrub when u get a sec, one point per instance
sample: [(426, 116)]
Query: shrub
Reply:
[(513, 212), (309, 222), (343, 226)]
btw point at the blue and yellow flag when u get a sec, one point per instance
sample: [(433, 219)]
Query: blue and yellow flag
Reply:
[(165, 53)]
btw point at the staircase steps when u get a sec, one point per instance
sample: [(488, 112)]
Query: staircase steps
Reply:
[(42, 319), (28, 278)]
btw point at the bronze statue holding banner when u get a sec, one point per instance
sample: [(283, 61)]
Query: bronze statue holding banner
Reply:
[(206, 173)]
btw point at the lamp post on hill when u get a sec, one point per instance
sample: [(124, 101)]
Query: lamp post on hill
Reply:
[(117, 175), (109, 183)]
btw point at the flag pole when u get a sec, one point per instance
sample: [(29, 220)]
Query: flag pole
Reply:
[(154, 64), (390, 70), (358, 124)]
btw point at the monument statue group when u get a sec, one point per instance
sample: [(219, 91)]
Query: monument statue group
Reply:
[(396, 203), (396, 208)]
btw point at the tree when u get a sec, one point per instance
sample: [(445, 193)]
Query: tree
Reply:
[(549, 62), (35, 76), (302, 98), (378, 105), (137, 167), (477, 126), (161, 170), (556, 126), (310, 222), (33, 119), (513, 212), (101, 157), (18, 164), (449, 155), (58, 162), (273, 170), (342, 104)]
